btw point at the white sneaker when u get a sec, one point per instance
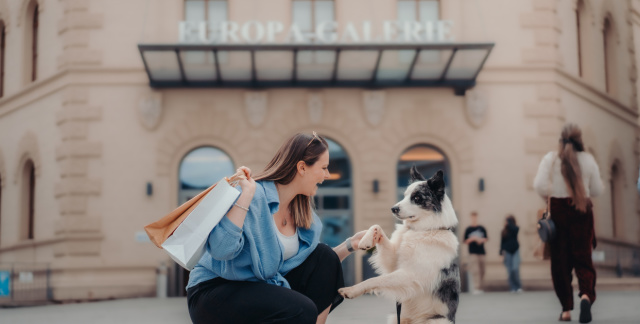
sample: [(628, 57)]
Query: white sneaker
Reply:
[(477, 292), (519, 291)]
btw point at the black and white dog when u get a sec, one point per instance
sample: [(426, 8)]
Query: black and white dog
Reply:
[(417, 265)]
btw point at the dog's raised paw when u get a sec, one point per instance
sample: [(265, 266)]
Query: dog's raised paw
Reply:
[(349, 292)]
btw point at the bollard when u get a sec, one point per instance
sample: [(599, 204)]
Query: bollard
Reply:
[(161, 281)]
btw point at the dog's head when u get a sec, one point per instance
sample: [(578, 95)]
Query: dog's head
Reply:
[(425, 203)]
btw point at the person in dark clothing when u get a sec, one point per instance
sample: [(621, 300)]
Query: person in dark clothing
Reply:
[(475, 236), (510, 250), (568, 178)]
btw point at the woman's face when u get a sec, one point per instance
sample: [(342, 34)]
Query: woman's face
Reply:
[(315, 174)]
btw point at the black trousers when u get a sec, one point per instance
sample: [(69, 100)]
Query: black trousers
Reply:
[(571, 250), (314, 287)]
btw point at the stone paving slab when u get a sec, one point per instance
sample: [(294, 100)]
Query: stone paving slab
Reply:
[(614, 307)]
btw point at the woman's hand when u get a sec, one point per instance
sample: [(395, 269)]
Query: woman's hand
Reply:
[(248, 184), (355, 239)]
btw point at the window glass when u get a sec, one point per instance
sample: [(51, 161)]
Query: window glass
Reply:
[(200, 169)]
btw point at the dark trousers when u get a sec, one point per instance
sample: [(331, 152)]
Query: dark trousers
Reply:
[(314, 287), (571, 250)]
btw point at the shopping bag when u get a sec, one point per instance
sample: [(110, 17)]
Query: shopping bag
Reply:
[(184, 232)]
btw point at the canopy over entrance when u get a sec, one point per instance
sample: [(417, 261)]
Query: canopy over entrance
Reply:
[(314, 65)]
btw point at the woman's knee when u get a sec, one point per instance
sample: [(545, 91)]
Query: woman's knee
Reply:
[(326, 254), (304, 311)]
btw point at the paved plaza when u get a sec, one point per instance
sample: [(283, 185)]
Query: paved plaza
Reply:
[(612, 307)]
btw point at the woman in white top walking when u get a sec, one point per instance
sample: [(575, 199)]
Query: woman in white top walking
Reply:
[(570, 177)]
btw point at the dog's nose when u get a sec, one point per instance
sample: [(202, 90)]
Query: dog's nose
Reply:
[(395, 209)]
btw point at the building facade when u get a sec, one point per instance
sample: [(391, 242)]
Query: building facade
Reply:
[(92, 148)]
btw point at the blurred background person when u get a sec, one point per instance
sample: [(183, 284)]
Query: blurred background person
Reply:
[(475, 236), (570, 176), (510, 251)]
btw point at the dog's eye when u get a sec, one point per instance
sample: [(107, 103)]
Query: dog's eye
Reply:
[(416, 199)]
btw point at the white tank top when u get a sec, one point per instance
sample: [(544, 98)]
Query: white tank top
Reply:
[(290, 243)]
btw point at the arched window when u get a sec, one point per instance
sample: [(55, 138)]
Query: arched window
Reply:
[(428, 160), (28, 201), (580, 25), (31, 41), (2, 42), (616, 201), (609, 56), (201, 168), (333, 203), (34, 44)]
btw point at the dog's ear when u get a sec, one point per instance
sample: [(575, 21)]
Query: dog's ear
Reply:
[(436, 184), (415, 175)]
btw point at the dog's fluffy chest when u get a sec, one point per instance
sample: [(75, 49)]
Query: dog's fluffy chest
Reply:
[(424, 246)]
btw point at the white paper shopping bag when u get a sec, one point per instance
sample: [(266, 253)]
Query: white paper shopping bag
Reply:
[(186, 244)]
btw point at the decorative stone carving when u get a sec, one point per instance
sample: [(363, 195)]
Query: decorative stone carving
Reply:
[(150, 109), (477, 106), (373, 103), (315, 104), (255, 104)]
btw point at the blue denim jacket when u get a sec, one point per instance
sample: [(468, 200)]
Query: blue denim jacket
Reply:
[(253, 252)]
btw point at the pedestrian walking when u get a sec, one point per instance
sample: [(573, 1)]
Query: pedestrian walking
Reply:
[(475, 236), (263, 262), (570, 176), (510, 251)]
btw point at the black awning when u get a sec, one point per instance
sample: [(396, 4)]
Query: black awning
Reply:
[(314, 65)]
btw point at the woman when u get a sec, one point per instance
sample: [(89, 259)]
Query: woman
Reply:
[(570, 177), (510, 250), (263, 262)]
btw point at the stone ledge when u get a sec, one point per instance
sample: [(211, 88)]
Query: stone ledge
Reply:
[(75, 5), (74, 95), (78, 246), (77, 186), (545, 19), (75, 38), (545, 5), (549, 92), (73, 167), (76, 112), (78, 149), (77, 224), (80, 20), (74, 130), (543, 54), (79, 57), (73, 205), (544, 109), (546, 36)]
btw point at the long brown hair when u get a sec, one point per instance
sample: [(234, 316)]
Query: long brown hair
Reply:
[(510, 220), (570, 144), (283, 168)]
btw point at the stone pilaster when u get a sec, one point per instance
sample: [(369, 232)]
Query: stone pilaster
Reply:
[(79, 229), (545, 24), (75, 31)]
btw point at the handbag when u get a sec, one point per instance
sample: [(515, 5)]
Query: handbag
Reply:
[(546, 226), (184, 232)]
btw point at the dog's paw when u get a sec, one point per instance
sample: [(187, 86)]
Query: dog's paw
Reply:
[(371, 238), (350, 292)]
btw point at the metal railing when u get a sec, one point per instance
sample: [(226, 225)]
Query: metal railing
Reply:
[(621, 257), (24, 283)]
